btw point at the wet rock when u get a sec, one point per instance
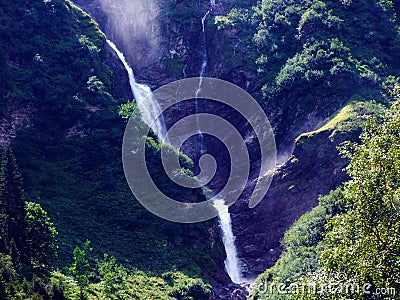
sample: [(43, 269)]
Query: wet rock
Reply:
[(232, 292), (120, 87)]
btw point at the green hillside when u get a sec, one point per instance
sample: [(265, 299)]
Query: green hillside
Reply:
[(323, 71), (69, 154)]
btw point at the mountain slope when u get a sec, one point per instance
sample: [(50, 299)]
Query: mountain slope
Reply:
[(66, 133)]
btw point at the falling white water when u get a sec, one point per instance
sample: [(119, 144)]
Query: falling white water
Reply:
[(204, 50), (232, 264), (145, 100), (202, 70)]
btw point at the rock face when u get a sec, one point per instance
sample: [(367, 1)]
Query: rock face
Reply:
[(232, 292), (314, 169), (120, 87), (17, 118), (163, 46), (132, 24)]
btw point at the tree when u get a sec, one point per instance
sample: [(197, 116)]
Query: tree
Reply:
[(12, 211), (112, 274), (41, 238), (365, 242), (10, 287), (80, 267)]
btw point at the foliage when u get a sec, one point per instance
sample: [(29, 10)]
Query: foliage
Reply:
[(10, 286), (364, 242), (80, 268), (39, 49), (287, 28), (28, 249), (236, 17), (236, 29), (112, 274), (187, 288), (302, 251), (41, 239), (350, 241), (309, 58), (348, 119), (53, 66), (128, 110)]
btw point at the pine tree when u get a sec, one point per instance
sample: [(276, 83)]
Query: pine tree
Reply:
[(13, 226)]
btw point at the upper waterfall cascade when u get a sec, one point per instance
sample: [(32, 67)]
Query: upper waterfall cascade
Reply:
[(203, 49), (149, 107)]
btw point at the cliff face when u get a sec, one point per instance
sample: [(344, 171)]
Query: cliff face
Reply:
[(12, 122), (134, 25), (301, 62), (314, 169)]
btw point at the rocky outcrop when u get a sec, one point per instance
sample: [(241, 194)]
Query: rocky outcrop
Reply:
[(16, 118), (314, 169), (231, 292)]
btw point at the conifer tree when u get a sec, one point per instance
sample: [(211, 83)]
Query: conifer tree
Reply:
[(12, 211)]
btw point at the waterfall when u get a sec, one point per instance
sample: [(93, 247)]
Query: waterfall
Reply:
[(232, 264), (145, 100), (203, 48)]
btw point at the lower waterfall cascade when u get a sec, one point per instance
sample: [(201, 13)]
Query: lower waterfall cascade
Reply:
[(232, 264)]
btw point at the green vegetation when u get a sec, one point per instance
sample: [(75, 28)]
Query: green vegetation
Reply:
[(320, 59), (292, 28), (302, 248), (311, 57), (347, 119), (179, 23), (236, 29), (69, 153), (80, 268), (27, 241), (351, 238)]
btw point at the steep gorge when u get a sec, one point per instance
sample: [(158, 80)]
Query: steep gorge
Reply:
[(163, 41), (314, 167)]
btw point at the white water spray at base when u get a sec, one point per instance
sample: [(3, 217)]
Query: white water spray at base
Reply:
[(232, 264), (145, 100)]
